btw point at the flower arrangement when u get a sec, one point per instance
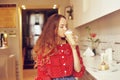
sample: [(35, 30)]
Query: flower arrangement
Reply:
[(92, 37)]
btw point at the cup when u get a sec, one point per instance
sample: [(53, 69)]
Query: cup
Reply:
[(70, 37)]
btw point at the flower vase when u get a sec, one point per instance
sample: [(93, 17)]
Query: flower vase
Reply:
[(94, 47), (94, 51)]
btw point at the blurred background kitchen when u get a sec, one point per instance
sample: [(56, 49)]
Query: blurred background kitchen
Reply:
[(21, 23)]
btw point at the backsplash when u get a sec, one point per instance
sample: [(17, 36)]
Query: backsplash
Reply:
[(107, 29)]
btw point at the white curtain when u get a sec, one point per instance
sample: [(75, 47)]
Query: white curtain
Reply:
[(35, 30)]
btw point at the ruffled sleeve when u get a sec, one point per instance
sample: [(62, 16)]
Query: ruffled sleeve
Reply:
[(81, 73)]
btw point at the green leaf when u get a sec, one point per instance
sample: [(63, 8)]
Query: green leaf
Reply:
[(97, 40)]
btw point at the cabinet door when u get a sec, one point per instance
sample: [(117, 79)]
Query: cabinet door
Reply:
[(7, 67), (89, 10), (3, 67)]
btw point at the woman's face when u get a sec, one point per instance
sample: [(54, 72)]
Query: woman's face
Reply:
[(62, 27)]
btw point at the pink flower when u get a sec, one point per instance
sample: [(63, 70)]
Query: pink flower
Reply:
[(93, 35)]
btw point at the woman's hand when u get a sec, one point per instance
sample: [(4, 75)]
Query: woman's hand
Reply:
[(75, 37)]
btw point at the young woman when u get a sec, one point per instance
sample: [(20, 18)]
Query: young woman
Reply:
[(57, 58)]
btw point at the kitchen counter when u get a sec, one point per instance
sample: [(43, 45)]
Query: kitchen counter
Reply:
[(92, 63)]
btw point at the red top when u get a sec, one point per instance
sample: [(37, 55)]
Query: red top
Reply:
[(59, 64)]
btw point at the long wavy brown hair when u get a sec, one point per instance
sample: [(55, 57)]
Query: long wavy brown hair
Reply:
[(49, 38)]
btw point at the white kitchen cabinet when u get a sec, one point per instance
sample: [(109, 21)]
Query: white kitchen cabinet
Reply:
[(89, 10)]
